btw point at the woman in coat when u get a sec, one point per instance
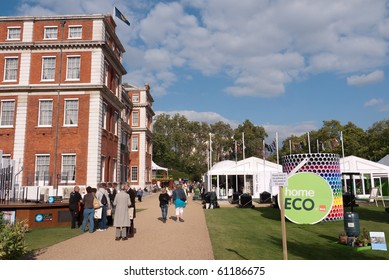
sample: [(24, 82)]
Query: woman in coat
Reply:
[(121, 219)]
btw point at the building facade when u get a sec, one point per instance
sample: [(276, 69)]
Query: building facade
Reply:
[(141, 137), (64, 116)]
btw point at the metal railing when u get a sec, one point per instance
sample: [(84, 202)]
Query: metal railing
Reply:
[(6, 183)]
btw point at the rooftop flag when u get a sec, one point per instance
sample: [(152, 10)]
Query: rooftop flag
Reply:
[(121, 16)]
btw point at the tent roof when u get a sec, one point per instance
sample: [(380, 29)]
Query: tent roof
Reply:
[(250, 165), (357, 164), (155, 166), (384, 160)]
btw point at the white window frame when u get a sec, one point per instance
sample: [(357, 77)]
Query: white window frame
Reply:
[(114, 167), (75, 167), (2, 117), (135, 98), (47, 68), (49, 112), (117, 85), (73, 73), (116, 122), (66, 110), (49, 31), (7, 69), (135, 121), (106, 66), (10, 35), (104, 113), (45, 170), (72, 34), (134, 175), (102, 167), (6, 157), (135, 143)]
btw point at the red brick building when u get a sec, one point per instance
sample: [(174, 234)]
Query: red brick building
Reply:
[(64, 116)]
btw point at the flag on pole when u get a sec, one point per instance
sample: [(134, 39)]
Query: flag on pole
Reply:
[(121, 16)]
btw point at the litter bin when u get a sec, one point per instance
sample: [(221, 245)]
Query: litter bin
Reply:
[(265, 197), (235, 198), (351, 224), (246, 201)]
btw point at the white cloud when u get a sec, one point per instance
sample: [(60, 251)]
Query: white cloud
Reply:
[(260, 45), (361, 80), (373, 102), (208, 117), (285, 131)]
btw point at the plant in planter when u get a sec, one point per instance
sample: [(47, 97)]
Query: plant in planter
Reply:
[(343, 238), (363, 239)]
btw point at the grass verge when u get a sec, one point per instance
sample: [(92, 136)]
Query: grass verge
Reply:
[(255, 234)]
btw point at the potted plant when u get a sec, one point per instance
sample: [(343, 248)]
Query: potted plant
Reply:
[(343, 238), (365, 238)]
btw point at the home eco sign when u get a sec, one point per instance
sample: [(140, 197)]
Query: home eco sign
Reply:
[(308, 198)]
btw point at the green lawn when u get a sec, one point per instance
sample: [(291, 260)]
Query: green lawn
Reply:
[(38, 238), (255, 234)]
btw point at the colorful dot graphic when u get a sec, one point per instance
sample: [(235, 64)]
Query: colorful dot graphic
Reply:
[(328, 167)]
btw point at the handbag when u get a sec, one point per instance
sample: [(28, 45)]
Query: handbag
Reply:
[(96, 203), (98, 213), (131, 213)]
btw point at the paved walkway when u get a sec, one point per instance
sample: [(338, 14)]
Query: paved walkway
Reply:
[(153, 240)]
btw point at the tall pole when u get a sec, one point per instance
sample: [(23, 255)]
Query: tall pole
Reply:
[(236, 167), (210, 159), (264, 163), (290, 147), (309, 144), (344, 164), (278, 159), (244, 147), (283, 225)]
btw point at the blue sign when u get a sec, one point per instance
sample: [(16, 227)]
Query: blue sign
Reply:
[(38, 218)]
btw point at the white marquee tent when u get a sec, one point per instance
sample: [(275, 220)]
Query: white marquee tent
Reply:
[(155, 166), (251, 175), (372, 174)]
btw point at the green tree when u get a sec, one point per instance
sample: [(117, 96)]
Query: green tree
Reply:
[(253, 139), (378, 139)]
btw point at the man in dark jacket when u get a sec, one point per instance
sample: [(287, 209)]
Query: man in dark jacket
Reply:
[(75, 206), (132, 193)]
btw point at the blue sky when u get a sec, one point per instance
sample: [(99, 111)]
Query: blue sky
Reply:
[(286, 65)]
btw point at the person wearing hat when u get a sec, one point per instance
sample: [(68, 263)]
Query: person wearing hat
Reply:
[(164, 203)]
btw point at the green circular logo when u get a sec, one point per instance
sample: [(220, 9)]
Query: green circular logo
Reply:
[(308, 198)]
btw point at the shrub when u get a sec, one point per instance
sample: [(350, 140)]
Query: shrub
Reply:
[(12, 242)]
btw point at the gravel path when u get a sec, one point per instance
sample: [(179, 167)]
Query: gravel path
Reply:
[(154, 240)]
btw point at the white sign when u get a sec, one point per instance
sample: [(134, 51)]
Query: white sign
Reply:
[(279, 179)]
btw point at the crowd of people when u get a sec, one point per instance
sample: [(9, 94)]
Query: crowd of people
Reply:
[(103, 207), (107, 206)]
